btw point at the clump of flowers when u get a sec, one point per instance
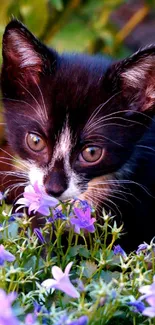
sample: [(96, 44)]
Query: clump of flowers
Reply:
[(94, 281)]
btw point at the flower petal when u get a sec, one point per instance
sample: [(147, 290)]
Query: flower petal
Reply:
[(149, 311), (151, 300), (57, 273), (68, 267), (49, 283), (23, 201), (66, 286), (44, 210), (79, 213), (145, 289)]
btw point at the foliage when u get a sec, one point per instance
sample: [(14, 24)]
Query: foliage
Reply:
[(76, 25), (106, 278)]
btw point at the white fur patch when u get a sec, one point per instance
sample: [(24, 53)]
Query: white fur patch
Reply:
[(35, 174), (63, 145), (73, 189)]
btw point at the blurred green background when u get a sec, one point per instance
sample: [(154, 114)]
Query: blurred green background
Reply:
[(79, 25), (114, 27)]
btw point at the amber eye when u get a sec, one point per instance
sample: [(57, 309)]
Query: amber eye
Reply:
[(92, 154), (35, 142)]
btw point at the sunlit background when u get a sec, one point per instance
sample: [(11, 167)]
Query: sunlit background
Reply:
[(113, 27)]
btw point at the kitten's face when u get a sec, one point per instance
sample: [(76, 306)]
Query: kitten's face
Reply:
[(73, 119)]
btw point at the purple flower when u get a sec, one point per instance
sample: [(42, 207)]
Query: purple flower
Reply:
[(148, 292), (83, 220), (149, 311), (5, 256), (6, 313), (83, 320), (118, 250), (82, 203), (61, 281), (30, 319), (39, 236), (141, 248), (57, 214), (36, 199), (1, 196), (138, 305)]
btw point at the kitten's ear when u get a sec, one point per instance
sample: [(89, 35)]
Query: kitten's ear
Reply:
[(135, 78), (24, 54)]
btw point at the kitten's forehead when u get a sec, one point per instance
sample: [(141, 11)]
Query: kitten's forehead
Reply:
[(63, 146), (64, 142)]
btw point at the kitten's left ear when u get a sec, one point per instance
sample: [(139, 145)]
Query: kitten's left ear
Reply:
[(135, 78), (24, 54)]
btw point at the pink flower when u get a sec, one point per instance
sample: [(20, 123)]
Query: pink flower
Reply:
[(149, 296), (61, 281), (6, 314), (83, 220), (36, 199)]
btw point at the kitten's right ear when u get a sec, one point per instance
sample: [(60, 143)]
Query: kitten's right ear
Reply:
[(24, 56)]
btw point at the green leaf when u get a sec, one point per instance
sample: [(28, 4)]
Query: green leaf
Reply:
[(83, 251), (89, 268), (57, 4), (35, 15), (75, 36)]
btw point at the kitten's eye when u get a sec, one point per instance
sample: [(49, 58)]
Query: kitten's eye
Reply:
[(92, 154), (35, 142)]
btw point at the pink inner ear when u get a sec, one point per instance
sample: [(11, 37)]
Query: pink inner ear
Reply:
[(21, 52), (140, 80)]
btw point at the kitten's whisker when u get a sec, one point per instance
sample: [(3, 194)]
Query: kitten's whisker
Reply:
[(98, 109), (101, 124), (94, 136), (17, 167), (24, 102), (128, 111), (145, 147), (34, 119), (15, 159), (43, 101), (38, 105), (9, 164)]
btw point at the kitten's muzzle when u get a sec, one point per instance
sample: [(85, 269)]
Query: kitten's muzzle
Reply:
[(56, 184)]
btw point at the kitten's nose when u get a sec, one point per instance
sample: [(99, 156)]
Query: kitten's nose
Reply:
[(55, 184)]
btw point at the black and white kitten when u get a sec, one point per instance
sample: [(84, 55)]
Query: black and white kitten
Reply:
[(84, 125)]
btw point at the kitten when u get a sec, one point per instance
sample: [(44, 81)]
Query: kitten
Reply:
[(83, 126)]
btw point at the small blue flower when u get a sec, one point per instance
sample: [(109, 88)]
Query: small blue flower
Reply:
[(142, 248), (16, 215), (118, 250), (57, 214), (5, 256), (39, 236), (138, 305)]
